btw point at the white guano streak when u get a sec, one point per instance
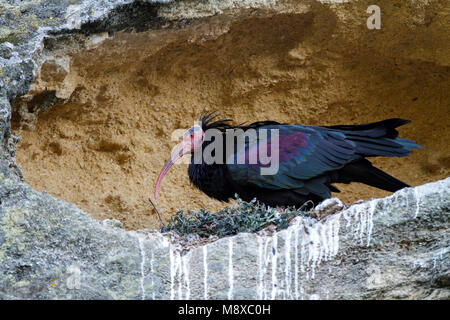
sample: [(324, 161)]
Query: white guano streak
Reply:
[(287, 254), (172, 273), (274, 265), (153, 276), (264, 255), (179, 272), (261, 271), (205, 272), (230, 268), (313, 241), (360, 221), (372, 206), (417, 196), (296, 284), (185, 260), (141, 248)]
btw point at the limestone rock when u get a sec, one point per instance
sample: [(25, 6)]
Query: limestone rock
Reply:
[(391, 248)]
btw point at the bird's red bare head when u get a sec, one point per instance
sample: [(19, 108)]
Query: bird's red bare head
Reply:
[(191, 142)]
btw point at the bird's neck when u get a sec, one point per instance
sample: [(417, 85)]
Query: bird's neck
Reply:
[(212, 179)]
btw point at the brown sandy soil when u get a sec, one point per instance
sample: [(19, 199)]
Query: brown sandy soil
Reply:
[(103, 147)]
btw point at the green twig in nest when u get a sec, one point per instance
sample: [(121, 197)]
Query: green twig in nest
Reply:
[(243, 217)]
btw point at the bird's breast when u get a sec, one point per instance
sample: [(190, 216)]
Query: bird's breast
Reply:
[(212, 180)]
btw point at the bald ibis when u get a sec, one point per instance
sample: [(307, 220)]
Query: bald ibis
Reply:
[(309, 159)]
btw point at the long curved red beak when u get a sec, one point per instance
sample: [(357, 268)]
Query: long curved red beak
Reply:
[(177, 153)]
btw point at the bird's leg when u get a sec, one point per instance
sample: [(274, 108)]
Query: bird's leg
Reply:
[(163, 227)]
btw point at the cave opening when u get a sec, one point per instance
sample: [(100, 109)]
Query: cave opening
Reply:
[(96, 126)]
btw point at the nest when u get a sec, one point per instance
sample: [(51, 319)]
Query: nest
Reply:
[(242, 217)]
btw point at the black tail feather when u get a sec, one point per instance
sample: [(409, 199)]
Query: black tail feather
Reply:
[(363, 171), (378, 138), (385, 128)]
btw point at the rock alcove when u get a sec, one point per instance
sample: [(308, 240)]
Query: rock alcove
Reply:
[(97, 123)]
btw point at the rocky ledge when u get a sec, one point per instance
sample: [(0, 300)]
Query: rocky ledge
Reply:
[(392, 248)]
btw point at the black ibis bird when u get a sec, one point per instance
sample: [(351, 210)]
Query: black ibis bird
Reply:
[(309, 159)]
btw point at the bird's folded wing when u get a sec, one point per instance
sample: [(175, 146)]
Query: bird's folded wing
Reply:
[(303, 153)]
